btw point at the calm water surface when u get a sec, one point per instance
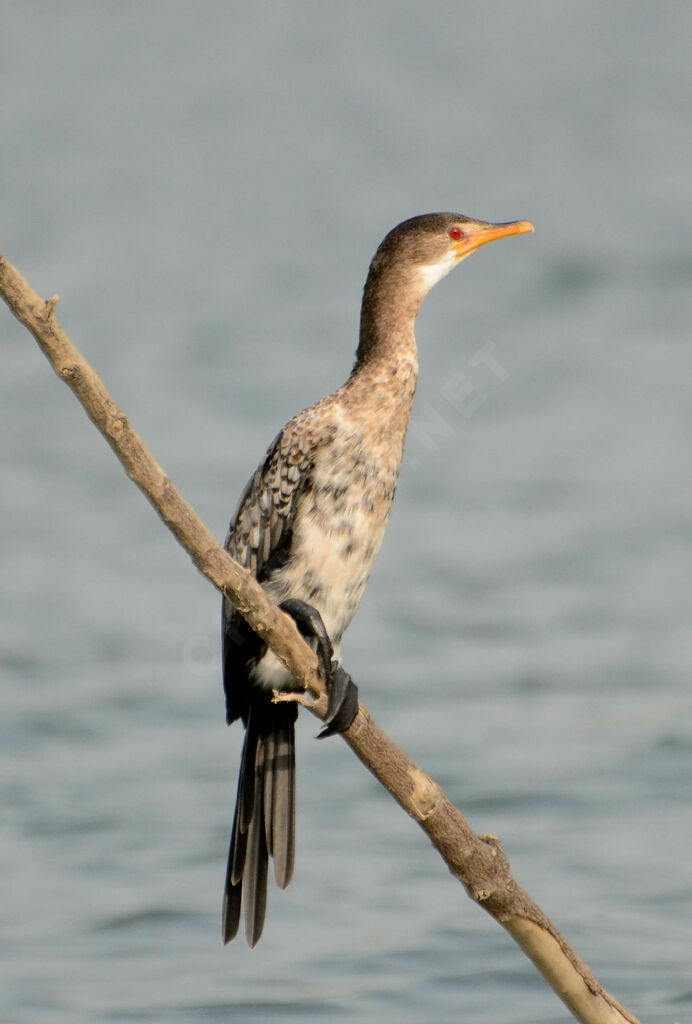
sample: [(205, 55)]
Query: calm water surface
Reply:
[(205, 190)]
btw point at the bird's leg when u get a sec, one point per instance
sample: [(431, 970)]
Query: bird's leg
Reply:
[(310, 625), (342, 692), (342, 701)]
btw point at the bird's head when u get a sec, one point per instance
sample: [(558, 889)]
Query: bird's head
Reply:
[(412, 258), (435, 242)]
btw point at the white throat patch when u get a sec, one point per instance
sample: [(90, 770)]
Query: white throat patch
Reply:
[(431, 273)]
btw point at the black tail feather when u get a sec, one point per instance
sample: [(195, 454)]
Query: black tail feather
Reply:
[(283, 812), (268, 786), (264, 820)]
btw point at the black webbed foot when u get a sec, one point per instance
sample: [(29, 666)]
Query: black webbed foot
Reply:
[(342, 692), (342, 701), (309, 623)]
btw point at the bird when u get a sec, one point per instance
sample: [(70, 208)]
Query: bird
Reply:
[(309, 525)]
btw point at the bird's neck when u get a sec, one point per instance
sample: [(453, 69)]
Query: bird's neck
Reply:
[(391, 300), (382, 385)]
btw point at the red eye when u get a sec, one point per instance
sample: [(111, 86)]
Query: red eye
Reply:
[(455, 232)]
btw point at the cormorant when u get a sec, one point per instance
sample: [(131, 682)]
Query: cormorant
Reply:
[(309, 525)]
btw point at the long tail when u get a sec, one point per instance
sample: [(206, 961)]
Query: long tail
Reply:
[(264, 820)]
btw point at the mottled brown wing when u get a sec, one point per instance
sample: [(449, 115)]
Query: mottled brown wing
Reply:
[(260, 538)]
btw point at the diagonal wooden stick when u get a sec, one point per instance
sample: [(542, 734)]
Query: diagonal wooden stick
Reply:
[(477, 861)]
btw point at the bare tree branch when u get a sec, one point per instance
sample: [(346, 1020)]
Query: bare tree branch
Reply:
[(477, 861)]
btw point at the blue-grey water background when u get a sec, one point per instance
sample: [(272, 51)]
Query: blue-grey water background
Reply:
[(204, 187)]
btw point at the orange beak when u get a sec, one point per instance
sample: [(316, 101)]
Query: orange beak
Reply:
[(478, 233)]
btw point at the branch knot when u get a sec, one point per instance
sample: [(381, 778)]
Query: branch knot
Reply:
[(71, 373), (426, 794), (49, 307)]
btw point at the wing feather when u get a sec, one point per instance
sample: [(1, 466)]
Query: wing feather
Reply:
[(260, 538)]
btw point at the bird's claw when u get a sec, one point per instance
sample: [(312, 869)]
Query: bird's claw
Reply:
[(292, 697), (342, 692), (309, 623), (342, 701)]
